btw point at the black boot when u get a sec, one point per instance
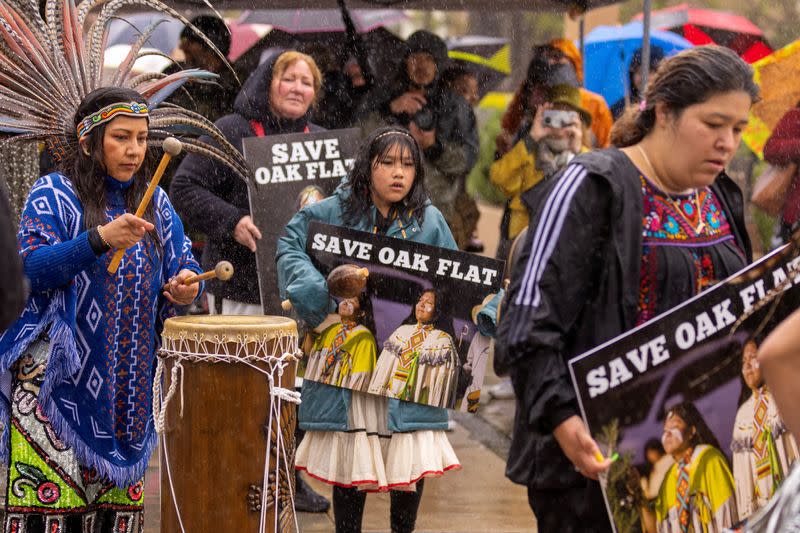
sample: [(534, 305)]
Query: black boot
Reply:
[(306, 500)]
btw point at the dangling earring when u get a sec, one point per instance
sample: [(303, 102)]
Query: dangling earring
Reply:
[(85, 150)]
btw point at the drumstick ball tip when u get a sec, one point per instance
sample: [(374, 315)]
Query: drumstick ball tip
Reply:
[(223, 270), (172, 146)]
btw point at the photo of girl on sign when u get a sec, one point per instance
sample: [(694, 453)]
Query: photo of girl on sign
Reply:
[(763, 448), (420, 361), (726, 450), (344, 353), (405, 321), (697, 493)]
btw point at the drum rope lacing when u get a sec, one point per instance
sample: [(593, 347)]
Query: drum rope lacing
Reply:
[(248, 350)]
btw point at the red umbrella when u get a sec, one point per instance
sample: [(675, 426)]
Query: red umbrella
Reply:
[(243, 37), (710, 26)]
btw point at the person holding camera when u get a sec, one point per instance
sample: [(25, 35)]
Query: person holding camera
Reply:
[(545, 143), (441, 121)]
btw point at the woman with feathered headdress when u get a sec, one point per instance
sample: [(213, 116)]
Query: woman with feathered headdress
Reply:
[(78, 424)]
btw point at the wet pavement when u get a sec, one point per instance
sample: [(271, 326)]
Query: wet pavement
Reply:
[(476, 499)]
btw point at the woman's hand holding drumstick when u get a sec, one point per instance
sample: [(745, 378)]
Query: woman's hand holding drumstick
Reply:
[(223, 272), (182, 289), (172, 147), (178, 292), (124, 231)]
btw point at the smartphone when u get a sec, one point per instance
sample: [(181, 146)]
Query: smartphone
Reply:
[(559, 118)]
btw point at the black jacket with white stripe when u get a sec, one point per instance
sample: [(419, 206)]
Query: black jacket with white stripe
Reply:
[(574, 286)]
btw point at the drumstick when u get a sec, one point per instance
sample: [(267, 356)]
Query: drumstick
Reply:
[(223, 272), (172, 147), (286, 305)]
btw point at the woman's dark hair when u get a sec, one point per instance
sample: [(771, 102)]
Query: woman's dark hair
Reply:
[(687, 412), (441, 315), (377, 145), (366, 316), (691, 77), (88, 172)]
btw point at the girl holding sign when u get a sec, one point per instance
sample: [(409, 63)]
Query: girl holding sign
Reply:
[(619, 237), (384, 443)]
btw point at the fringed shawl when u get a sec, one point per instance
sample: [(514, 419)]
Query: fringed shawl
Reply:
[(103, 331)]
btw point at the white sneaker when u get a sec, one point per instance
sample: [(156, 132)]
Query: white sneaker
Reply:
[(503, 390)]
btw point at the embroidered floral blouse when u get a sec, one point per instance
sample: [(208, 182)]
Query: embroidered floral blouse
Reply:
[(684, 250)]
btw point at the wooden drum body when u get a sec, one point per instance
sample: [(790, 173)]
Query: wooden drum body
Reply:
[(213, 453)]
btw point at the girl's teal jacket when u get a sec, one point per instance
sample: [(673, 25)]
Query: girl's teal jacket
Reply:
[(324, 408)]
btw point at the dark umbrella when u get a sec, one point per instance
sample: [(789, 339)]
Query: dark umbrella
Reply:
[(322, 20), (384, 49), (488, 58), (711, 26)]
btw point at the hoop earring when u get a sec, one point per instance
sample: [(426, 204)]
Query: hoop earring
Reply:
[(86, 151)]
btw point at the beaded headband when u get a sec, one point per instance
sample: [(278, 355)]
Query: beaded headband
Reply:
[(110, 112), (393, 132)]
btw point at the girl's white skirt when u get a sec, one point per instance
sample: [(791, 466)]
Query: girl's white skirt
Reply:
[(369, 456)]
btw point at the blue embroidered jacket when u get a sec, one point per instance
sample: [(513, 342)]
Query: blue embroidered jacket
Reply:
[(103, 328)]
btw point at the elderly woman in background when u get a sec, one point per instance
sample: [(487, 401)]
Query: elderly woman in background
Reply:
[(274, 100)]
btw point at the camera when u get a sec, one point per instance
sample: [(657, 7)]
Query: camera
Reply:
[(559, 118), (425, 119)]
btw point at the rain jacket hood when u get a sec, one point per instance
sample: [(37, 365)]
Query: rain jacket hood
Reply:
[(253, 101), (571, 51), (425, 41)]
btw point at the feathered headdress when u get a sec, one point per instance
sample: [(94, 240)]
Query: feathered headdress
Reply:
[(47, 66)]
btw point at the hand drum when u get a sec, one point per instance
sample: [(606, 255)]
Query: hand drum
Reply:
[(347, 281)]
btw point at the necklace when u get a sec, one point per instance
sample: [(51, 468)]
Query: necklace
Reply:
[(676, 204)]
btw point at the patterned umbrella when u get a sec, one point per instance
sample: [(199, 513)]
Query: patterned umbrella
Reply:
[(777, 76), (489, 58)]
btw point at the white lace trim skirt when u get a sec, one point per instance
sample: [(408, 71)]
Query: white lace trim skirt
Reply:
[(369, 456)]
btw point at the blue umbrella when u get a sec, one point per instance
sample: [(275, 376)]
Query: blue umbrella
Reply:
[(608, 52)]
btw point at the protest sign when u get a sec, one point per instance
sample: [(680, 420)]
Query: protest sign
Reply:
[(411, 333), (289, 171), (689, 380)]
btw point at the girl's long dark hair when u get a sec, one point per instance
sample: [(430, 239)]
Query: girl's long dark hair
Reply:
[(357, 204), (88, 172), (366, 315)]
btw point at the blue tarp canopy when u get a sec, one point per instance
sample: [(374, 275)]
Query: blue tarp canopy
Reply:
[(608, 52)]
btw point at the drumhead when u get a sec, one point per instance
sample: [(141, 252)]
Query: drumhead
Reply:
[(229, 326)]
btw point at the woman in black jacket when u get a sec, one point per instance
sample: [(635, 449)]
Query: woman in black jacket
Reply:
[(275, 99), (620, 236)]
